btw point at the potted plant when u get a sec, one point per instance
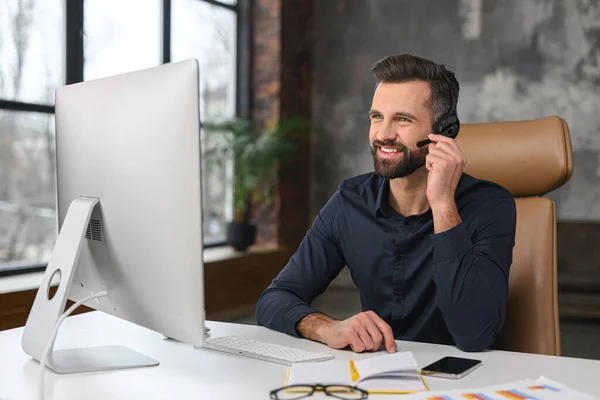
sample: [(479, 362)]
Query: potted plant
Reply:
[(255, 153)]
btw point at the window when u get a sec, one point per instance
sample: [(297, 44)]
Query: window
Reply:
[(102, 38), (31, 65), (113, 43), (207, 32)]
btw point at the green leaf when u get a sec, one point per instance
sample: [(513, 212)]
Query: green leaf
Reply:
[(256, 153)]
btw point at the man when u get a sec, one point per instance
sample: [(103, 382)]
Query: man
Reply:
[(428, 246)]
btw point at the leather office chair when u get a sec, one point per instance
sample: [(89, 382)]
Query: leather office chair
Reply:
[(529, 158)]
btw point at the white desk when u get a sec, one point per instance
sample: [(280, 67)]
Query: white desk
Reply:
[(188, 373)]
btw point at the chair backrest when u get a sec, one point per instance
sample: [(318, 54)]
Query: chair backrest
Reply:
[(529, 158)]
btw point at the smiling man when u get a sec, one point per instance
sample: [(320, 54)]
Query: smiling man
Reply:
[(428, 246)]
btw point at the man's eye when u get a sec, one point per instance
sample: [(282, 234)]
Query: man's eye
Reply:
[(402, 119), (376, 116)]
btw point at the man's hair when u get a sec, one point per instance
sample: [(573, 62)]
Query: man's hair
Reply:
[(408, 67)]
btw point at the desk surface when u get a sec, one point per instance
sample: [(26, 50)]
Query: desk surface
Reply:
[(188, 373)]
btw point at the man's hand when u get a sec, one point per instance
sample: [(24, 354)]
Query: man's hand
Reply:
[(363, 332), (445, 163)]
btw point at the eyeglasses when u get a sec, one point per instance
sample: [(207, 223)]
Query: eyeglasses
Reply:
[(294, 392)]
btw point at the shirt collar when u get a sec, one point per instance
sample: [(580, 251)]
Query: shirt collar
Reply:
[(382, 205)]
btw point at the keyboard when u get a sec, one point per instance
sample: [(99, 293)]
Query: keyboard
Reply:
[(262, 351)]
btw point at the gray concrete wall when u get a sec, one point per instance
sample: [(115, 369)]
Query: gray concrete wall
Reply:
[(517, 59)]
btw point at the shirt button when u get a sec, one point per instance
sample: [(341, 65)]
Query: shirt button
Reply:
[(398, 299), (398, 255)]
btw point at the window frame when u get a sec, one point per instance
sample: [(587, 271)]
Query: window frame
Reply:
[(74, 60)]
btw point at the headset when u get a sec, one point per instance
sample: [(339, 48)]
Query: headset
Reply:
[(448, 124)]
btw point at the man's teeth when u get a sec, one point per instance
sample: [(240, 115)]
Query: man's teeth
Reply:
[(389, 150)]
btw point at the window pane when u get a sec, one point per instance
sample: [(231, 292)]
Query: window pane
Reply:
[(121, 36), (216, 195), (28, 223), (207, 33), (31, 49)]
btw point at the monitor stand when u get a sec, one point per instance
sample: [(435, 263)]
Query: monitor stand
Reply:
[(46, 311)]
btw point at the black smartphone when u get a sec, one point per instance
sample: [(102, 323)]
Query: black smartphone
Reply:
[(451, 367)]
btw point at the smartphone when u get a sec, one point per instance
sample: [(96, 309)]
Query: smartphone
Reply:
[(451, 367)]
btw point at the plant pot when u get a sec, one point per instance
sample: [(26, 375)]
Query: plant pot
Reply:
[(240, 235)]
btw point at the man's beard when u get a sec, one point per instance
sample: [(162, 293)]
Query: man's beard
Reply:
[(405, 165)]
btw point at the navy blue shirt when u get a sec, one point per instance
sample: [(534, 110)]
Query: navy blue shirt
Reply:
[(448, 288)]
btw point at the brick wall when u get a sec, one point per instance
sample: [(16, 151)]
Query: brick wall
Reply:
[(282, 87), (266, 61), (266, 84)]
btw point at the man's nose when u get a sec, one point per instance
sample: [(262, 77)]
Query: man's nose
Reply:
[(386, 132)]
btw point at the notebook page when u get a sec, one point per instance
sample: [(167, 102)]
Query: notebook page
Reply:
[(325, 373), (385, 364), (410, 382)]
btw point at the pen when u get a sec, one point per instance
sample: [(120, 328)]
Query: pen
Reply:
[(353, 372)]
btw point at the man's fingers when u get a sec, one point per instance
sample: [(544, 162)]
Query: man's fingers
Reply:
[(435, 137), (435, 159), (365, 338), (376, 336), (355, 343), (367, 331), (451, 143), (451, 151), (438, 152), (386, 331)]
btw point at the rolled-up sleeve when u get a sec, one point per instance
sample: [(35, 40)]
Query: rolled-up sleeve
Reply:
[(471, 275), (309, 271)]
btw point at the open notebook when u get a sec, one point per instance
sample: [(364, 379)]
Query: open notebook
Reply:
[(389, 373)]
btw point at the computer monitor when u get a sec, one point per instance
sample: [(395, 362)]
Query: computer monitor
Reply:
[(129, 209)]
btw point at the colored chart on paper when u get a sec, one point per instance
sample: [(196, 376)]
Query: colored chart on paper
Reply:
[(539, 389), (511, 394), (477, 396), (543, 387), (516, 395)]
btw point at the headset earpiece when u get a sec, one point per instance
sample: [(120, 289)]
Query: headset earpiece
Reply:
[(449, 124)]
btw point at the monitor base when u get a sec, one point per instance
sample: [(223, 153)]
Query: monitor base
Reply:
[(101, 358), (47, 310)]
